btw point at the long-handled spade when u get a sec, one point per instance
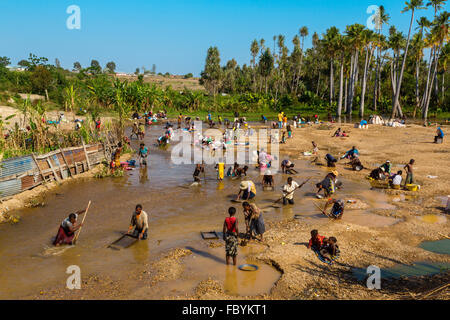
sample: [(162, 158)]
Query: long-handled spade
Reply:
[(274, 204), (323, 211), (79, 230)]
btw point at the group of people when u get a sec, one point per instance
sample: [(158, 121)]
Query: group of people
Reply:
[(138, 227), (383, 172), (254, 227)]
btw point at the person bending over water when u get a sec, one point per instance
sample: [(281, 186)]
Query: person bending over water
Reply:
[(66, 231), (139, 222), (337, 211), (253, 220), (247, 189)]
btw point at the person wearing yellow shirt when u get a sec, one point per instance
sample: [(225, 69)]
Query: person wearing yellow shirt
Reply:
[(280, 120), (247, 189)]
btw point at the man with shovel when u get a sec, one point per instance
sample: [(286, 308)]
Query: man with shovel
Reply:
[(288, 191)]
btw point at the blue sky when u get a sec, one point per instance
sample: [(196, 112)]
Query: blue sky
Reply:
[(173, 35)]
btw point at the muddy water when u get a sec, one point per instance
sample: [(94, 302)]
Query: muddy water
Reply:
[(417, 269), (176, 216), (439, 246)]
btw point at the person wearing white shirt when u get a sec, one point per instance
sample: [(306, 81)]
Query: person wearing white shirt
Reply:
[(396, 180), (288, 191)]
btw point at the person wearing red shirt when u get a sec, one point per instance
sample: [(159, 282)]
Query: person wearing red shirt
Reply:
[(230, 235), (316, 241)]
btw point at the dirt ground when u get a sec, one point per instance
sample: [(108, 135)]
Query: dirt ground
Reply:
[(303, 276)]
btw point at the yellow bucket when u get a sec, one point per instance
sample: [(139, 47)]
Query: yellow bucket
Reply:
[(412, 187), (221, 171)]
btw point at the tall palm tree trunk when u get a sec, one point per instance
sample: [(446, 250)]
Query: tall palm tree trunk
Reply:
[(341, 84), (399, 82)]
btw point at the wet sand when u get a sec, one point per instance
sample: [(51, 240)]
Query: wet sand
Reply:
[(385, 232)]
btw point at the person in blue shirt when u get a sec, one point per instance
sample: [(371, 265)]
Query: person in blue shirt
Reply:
[(440, 135), (350, 154), (143, 153)]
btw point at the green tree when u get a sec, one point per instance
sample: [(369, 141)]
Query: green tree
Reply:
[(212, 75), (266, 65), (111, 67)]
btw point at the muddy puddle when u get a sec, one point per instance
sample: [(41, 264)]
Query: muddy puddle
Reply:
[(209, 263), (417, 269), (177, 215), (439, 246), (433, 218)]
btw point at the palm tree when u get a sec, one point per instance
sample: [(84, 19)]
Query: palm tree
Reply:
[(303, 33), (254, 49), (342, 44), (396, 43), (367, 42), (419, 45), (382, 18), (266, 65), (439, 34), (330, 43), (355, 35), (412, 6)]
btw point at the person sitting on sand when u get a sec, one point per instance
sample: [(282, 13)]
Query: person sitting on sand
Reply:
[(337, 133), (139, 222), (409, 172), (439, 135), (396, 180), (66, 231), (350, 154), (315, 150), (288, 191), (329, 249), (356, 164), (337, 211), (316, 241), (231, 236), (247, 189), (254, 220)]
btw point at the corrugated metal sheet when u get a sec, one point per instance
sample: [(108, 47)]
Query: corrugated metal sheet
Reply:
[(26, 165), (17, 166), (10, 188)]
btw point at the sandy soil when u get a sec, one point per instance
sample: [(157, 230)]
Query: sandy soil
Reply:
[(176, 82), (303, 275)]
